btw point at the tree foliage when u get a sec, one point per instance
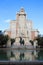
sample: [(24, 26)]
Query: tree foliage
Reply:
[(40, 40), (12, 41), (3, 39), (21, 41), (31, 42)]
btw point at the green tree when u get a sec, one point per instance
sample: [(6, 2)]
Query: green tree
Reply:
[(31, 42), (20, 40), (23, 42), (3, 40), (12, 41), (40, 40)]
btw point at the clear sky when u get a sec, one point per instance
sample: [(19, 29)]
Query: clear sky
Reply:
[(33, 8)]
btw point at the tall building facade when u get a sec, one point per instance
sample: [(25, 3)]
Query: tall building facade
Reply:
[(21, 27)]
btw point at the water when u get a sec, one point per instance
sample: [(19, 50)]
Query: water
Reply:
[(21, 55)]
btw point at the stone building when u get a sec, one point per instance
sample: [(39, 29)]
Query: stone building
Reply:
[(21, 27)]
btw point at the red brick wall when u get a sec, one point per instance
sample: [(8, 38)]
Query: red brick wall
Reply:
[(9, 33), (32, 35)]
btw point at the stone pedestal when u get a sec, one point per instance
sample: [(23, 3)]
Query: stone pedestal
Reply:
[(9, 43), (17, 41), (35, 43), (27, 42)]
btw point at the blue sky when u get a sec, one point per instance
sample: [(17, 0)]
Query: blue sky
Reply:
[(33, 8)]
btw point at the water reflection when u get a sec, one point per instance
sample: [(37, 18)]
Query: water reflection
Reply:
[(40, 55), (3, 55), (21, 55)]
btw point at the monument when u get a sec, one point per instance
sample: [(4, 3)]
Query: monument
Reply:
[(21, 28)]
